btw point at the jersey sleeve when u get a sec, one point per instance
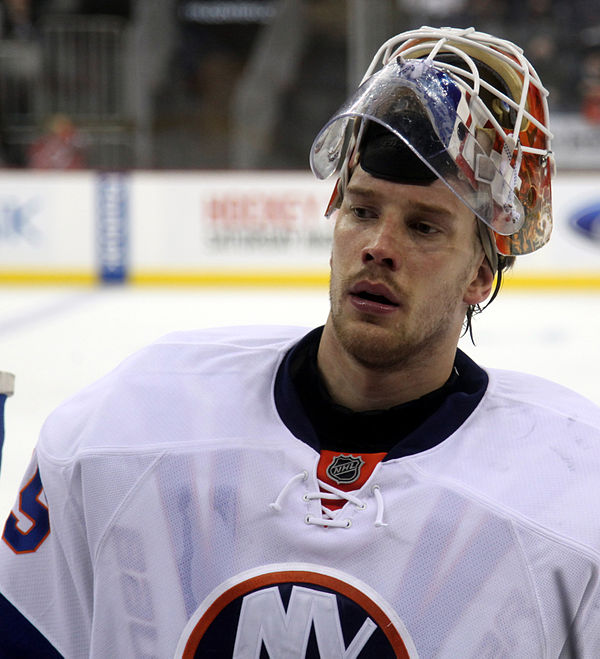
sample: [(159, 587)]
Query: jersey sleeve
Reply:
[(19, 638), (45, 570)]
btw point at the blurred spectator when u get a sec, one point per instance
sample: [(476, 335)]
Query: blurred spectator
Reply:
[(584, 14), (590, 85), (213, 49), (214, 43), (19, 18), (61, 147), (20, 66), (541, 31), (10, 156)]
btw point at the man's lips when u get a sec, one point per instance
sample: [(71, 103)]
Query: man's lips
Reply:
[(370, 297)]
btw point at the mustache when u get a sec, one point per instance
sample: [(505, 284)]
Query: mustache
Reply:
[(367, 274)]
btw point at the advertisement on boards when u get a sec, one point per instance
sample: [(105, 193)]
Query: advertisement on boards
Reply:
[(228, 228)]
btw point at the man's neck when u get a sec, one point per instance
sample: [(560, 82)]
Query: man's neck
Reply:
[(360, 387)]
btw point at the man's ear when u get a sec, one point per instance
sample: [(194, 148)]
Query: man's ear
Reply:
[(481, 285)]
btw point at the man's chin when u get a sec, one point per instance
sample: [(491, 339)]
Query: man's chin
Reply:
[(373, 345)]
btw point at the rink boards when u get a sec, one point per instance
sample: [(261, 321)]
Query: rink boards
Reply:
[(217, 228)]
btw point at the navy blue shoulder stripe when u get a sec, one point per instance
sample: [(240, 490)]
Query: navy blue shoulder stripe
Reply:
[(19, 639)]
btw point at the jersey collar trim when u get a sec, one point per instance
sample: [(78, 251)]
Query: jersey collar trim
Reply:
[(459, 403)]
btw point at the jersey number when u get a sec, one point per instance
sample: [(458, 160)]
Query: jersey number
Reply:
[(35, 519)]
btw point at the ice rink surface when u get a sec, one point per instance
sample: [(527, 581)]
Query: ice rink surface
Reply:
[(57, 340)]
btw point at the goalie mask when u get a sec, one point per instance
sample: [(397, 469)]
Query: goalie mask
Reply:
[(464, 107)]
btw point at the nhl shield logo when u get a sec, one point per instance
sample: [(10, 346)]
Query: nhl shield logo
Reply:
[(345, 468)]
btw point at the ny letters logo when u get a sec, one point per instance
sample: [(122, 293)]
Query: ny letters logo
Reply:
[(283, 611), (264, 622)]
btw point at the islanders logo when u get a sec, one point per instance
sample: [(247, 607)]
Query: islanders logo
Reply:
[(295, 610)]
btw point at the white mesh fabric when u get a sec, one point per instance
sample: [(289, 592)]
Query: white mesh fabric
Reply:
[(147, 520)]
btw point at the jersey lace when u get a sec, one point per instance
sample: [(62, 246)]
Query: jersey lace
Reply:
[(327, 492)]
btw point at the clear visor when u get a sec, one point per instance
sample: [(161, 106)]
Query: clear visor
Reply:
[(444, 125)]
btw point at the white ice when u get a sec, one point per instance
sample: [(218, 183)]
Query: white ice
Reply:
[(56, 340)]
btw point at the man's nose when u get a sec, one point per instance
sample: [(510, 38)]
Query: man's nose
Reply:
[(382, 248)]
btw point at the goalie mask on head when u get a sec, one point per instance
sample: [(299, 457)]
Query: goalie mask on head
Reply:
[(462, 106)]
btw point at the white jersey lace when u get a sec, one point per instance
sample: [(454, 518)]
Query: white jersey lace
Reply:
[(329, 493)]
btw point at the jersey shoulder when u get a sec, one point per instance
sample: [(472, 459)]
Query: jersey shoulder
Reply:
[(236, 335), (531, 447), (545, 396), (184, 383)]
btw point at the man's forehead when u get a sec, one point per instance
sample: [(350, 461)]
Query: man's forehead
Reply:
[(436, 196)]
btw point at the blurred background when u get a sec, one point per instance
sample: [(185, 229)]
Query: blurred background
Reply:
[(154, 177), (246, 84)]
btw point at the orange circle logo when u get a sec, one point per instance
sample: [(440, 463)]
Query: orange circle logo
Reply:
[(295, 610)]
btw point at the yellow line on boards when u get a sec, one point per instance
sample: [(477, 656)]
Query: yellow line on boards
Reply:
[(232, 278), (552, 282), (272, 279), (47, 277)]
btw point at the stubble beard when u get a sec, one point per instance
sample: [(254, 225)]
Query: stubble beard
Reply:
[(386, 347)]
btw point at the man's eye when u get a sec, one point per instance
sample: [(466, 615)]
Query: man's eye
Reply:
[(362, 213), (424, 228)]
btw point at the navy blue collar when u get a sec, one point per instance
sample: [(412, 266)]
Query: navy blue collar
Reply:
[(312, 416)]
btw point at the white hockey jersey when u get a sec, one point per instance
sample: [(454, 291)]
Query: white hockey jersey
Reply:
[(168, 511)]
